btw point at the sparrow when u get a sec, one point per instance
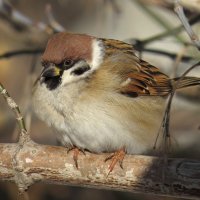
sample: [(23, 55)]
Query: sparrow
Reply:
[(99, 96)]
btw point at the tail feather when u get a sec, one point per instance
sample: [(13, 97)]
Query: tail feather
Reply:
[(186, 82)]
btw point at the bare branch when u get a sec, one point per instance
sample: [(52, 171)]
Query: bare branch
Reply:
[(21, 52), (53, 23), (50, 164), (179, 10), (11, 104)]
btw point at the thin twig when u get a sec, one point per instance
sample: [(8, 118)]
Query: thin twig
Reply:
[(173, 56), (21, 52), (17, 19), (179, 10), (24, 139), (52, 22), (165, 24), (165, 125), (11, 103), (193, 20), (166, 118), (20, 22)]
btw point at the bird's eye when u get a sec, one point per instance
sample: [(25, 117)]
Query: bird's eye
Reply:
[(67, 63)]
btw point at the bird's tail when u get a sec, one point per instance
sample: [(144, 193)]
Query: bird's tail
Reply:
[(186, 82)]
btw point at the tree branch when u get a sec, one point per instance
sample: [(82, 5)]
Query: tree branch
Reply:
[(50, 164)]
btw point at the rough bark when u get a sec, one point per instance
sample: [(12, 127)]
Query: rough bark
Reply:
[(144, 174)]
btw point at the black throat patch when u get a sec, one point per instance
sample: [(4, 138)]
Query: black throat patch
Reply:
[(52, 82)]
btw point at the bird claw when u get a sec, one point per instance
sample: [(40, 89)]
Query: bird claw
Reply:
[(76, 152), (118, 156)]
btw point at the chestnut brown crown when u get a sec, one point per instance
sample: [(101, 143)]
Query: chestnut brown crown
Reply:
[(68, 46)]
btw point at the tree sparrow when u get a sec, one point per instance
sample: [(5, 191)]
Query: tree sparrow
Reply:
[(100, 96)]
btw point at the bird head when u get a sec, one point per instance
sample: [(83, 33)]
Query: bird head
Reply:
[(70, 57)]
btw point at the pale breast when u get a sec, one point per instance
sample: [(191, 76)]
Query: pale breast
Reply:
[(103, 123)]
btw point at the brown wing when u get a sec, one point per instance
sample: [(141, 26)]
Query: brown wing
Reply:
[(147, 81), (139, 77)]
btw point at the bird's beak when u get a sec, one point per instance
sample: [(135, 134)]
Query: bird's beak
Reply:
[(51, 71)]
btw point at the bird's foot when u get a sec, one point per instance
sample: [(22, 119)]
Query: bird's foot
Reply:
[(118, 156), (76, 152)]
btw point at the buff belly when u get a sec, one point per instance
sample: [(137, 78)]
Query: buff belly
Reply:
[(101, 125)]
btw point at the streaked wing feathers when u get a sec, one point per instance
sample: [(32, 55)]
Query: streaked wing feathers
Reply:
[(148, 81)]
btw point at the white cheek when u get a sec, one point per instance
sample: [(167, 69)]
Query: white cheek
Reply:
[(97, 58), (69, 77), (97, 54)]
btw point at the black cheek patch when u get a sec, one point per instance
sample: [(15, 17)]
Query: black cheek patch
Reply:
[(80, 70)]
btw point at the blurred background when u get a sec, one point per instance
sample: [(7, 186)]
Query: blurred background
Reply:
[(26, 25)]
